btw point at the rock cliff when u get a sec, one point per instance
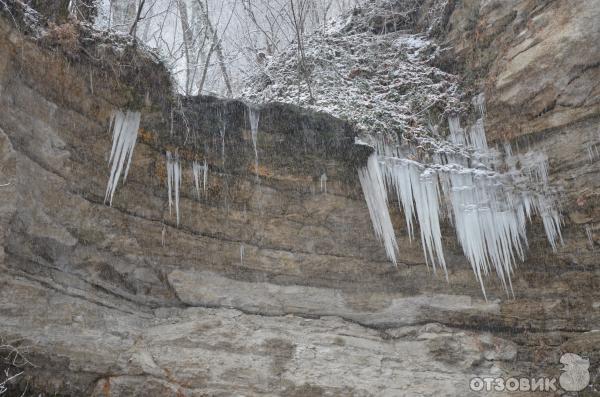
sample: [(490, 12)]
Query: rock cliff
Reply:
[(274, 284)]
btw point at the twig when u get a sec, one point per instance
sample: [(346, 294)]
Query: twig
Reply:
[(137, 18)]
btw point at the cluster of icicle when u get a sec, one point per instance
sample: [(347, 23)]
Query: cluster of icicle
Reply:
[(196, 170), (124, 135), (125, 126), (201, 170), (487, 196), (174, 180)]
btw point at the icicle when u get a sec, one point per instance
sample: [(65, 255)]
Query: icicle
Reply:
[(222, 133), (508, 149), (124, 136), (375, 194), (417, 192), (169, 180), (173, 182), (399, 176), (489, 210), (196, 173), (488, 230), (593, 152), (552, 221), (588, 233), (535, 166), (426, 196), (196, 168), (254, 116), (172, 120), (457, 134), (177, 179), (204, 176), (477, 136), (478, 102), (509, 158), (324, 183)]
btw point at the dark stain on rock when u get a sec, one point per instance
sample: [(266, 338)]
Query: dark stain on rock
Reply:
[(281, 351)]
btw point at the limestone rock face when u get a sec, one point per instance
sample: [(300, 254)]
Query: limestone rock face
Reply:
[(538, 64), (538, 61), (274, 285)]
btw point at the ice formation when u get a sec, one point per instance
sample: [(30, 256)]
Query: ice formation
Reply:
[(593, 152), (173, 182), (477, 136), (479, 104), (371, 180), (324, 183), (457, 135), (124, 135), (254, 116), (417, 190), (196, 169), (204, 176), (460, 180), (589, 235), (222, 130)]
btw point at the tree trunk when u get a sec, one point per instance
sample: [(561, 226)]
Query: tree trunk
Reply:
[(188, 43), (218, 49), (84, 10)]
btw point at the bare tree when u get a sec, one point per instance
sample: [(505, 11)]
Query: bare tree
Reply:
[(188, 39), (216, 44), (299, 14), (133, 30), (206, 50), (84, 10)]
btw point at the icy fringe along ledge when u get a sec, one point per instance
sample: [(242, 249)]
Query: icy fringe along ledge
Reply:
[(125, 126), (488, 208)]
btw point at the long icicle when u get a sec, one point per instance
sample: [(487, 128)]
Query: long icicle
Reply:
[(173, 182), (373, 186), (124, 136), (488, 209)]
